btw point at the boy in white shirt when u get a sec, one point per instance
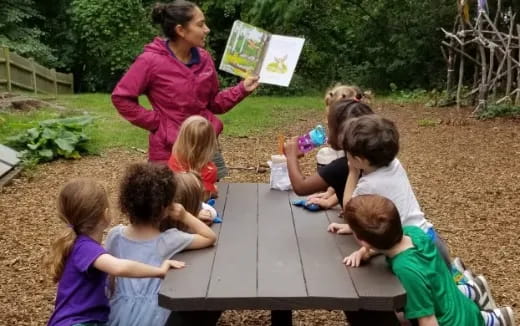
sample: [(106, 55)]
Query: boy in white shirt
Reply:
[(371, 144)]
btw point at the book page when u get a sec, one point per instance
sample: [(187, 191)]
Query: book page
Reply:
[(280, 59), (244, 48)]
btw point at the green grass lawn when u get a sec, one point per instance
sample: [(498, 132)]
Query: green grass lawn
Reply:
[(110, 130)]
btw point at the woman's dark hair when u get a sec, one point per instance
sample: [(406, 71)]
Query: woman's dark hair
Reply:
[(169, 15), (340, 112), (145, 192)]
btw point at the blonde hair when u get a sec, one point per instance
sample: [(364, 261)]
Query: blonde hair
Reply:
[(342, 92), (196, 143), (189, 193), (82, 204)]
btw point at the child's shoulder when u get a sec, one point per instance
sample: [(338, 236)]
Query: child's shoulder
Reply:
[(84, 242), (172, 241), (118, 229), (114, 233)]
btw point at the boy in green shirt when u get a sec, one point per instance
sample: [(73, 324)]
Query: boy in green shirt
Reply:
[(432, 296)]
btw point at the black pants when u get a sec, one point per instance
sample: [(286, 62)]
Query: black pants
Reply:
[(376, 318), (210, 318)]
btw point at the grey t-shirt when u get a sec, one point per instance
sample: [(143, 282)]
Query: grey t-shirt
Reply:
[(392, 182), (134, 301)]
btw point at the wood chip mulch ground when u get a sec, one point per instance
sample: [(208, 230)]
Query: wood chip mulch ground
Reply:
[(466, 174)]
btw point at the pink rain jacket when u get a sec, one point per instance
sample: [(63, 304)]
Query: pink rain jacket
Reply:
[(175, 91)]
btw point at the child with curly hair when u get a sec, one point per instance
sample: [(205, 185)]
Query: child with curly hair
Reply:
[(147, 194)]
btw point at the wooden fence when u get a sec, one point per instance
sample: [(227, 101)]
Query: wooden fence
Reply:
[(20, 74)]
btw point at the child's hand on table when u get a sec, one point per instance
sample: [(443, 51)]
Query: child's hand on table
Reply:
[(205, 216), (358, 256), (339, 228), (167, 264), (322, 202), (318, 195)]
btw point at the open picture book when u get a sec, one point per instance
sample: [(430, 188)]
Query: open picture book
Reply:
[(253, 51)]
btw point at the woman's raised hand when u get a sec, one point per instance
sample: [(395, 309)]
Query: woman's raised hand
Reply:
[(251, 83)]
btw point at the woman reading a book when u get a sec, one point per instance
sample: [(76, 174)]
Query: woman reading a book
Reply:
[(180, 80)]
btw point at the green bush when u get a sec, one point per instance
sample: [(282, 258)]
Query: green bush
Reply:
[(52, 139), (503, 110), (111, 35)]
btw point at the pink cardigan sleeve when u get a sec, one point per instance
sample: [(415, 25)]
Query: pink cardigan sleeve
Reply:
[(126, 93), (226, 99)]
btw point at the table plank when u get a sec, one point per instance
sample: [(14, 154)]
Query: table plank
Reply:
[(234, 274), (182, 289), (377, 287), (328, 284), (280, 275)]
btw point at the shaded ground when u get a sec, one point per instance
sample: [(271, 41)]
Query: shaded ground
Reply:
[(466, 174)]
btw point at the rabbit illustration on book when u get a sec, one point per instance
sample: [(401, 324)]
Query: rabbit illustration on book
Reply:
[(278, 66)]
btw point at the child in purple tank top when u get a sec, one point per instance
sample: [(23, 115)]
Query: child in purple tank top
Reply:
[(78, 262)]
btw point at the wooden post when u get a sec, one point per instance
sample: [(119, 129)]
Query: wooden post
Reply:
[(517, 99), (509, 66), (8, 70), (71, 83), (482, 94), (475, 82), (55, 81), (461, 73), (33, 68)]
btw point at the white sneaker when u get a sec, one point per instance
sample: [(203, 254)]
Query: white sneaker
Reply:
[(483, 296), (499, 317)]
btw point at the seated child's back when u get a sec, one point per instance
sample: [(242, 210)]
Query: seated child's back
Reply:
[(371, 144), (146, 197), (392, 182)]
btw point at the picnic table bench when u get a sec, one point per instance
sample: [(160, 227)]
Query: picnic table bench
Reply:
[(271, 255)]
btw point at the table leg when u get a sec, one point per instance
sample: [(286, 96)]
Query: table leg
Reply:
[(281, 318), (188, 318), (365, 317)]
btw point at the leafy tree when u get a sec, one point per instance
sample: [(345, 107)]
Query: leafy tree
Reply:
[(19, 31), (58, 33), (110, 35)]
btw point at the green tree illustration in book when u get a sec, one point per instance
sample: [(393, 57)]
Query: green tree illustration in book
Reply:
[(253, 51)]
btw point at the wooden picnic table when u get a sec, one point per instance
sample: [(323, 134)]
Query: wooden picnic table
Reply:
[(272, 255)]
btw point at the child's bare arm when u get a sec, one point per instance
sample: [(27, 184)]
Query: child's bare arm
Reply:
[(203, 235), (301, 184), (352, 180), (428, 321), (129, 268)]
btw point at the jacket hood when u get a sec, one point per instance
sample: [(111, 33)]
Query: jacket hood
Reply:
[(157, 46)]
